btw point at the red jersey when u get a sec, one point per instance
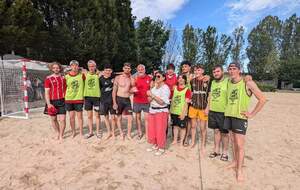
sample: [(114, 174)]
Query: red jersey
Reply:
[(57, 86), (142, 83), (171, 81)]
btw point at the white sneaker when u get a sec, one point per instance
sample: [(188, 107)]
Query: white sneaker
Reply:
[(159, 152), (154, 147)]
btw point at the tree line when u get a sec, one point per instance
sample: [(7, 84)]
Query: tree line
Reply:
[(106, 31)]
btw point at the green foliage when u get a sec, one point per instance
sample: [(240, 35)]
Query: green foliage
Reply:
[(237, 44), (266, 87)]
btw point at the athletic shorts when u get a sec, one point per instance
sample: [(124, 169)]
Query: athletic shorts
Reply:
[(195, 113), (91, 102), (236, 125), (216, 121), (124, 106), (74, 107), (176, 121), (106, 108), (59, 106), (138, 108)]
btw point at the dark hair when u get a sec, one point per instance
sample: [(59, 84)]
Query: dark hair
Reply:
[(217, 66), (199, 66), (127, 64), (107, 66), (171, 66), (161, 73), (184, 77), (186, 63)]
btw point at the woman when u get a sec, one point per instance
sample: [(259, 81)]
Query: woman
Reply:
[(158, 97)]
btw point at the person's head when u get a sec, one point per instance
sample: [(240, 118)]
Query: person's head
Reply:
[(74, 65), (55, 67), (170, 69), (218, 72), (127, 68), (185, 67), (159, 77), (182, 79), (107, 70), (199, 70), (92, 66), (234, 70), (141, 70)]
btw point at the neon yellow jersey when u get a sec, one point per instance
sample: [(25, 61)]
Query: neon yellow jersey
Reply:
[(178, 101), (218, 95), (237, 99), (91, 85), (75, 87)]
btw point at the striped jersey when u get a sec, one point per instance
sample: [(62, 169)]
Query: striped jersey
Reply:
[(57, 86)]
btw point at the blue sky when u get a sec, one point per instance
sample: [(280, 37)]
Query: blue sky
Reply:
[(224, 14)]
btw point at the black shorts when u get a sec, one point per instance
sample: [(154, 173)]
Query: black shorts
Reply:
[(138, 108), (59, 106), (176, 121), (216, 121), (124, 106), (106, 108), (90, 102), (74, 107), (236, 125)]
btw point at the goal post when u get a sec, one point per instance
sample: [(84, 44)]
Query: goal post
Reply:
[(21, 87)]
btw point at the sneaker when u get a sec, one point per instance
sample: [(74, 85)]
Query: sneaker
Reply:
[(154, 147), (159, 152)]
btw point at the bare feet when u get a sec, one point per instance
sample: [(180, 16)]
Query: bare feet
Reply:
[(121, 136), (129, 137), (108, 136), (202, 152), (73, 134), (174, 143), (240, 176), (192, 145), (231, 165)]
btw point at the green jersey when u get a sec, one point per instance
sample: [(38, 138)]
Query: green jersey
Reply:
[(178, 101), (91, 85), (237, 99), (218, 95), (75, 87)]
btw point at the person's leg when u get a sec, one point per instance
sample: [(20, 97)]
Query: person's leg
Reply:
[(182, 135), (107, 126), (119, 117), (62, 125), (217, 140), (161, 120), (240, 153), (80, 122), (225, 143), (193, 131), (113, 125), (98, 120), (175, 133), (72, 122), (151, 129), (129, 126), (233, 163), (146, 123), (138, 123), (55, 125), (203, 136), (90, 121)]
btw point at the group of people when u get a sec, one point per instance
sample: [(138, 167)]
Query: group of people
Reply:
[(186, 101)]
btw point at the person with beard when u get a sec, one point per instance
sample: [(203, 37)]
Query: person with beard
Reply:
[(55, 87)]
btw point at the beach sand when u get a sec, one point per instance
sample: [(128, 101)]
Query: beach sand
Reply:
[(31, 159)]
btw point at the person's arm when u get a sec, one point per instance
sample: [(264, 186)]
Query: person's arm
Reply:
[(206, 111), (114, 93), (160, 100), (47, 97), (259, 96)]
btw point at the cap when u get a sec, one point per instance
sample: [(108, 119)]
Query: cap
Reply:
[(235, 64), (74, 62)]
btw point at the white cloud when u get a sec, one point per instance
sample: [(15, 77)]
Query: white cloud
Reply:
[(156, 9), (247, 12)]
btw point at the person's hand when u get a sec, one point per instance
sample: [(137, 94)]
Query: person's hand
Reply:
[(248, 115), (149, 93), (181, 117), (50, 106), (206, 78), (115, 106), (206, 111)]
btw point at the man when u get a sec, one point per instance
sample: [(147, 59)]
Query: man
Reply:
[(236, 113), (215, 109), (106, 102), (171, 79), (55, 86), (74, 96), (200, 89), (142, 83), (121, 102), (92, 97)]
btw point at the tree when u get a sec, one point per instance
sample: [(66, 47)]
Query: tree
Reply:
[(263, 49), (190, 43), (237, 44), (152, 37)]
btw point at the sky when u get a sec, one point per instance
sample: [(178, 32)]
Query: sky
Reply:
[(225, 15)]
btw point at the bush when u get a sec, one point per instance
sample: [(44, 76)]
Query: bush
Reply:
[(266, 87)]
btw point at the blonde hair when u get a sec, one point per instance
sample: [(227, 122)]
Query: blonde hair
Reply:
[(50, 66)]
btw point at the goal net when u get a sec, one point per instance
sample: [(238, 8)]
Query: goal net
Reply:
[(21, 87)]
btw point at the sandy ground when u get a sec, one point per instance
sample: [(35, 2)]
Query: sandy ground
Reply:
[(31, 159)]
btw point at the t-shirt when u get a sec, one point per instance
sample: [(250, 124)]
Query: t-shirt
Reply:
[(200, 91), (163, 93), (171, 82), (106, 86), (57, 86), (142, 83)]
